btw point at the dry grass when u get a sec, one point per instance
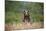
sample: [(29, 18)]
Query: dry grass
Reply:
[(14, 26)]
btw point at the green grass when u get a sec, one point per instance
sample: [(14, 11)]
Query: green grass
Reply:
[(11, 16)]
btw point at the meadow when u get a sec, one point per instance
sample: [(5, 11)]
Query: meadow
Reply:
[(14, 14)]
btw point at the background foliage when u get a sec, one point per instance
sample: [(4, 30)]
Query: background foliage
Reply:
[(14, 11)]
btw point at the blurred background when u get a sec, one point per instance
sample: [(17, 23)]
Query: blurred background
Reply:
[(14, 11)]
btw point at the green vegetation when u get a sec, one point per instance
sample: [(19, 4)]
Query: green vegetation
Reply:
[(14, 11)]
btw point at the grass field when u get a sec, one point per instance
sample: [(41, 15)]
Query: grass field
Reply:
[(21, 26), (14, 22), (14, 15)]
